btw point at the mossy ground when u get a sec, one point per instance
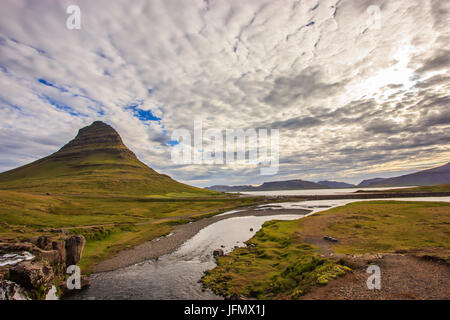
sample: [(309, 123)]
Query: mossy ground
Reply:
[(279, 264)]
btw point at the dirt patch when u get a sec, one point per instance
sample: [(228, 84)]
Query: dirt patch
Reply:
[(324, 246), (402, 277)]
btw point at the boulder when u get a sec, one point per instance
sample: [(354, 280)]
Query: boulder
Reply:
[(44, 243), (218, 253), (331, 239), (14, 247), (74, 249), (31, 274), (51, 256), (60, 246)]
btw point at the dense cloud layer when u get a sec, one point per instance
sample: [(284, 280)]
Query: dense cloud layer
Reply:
[(357, 88)]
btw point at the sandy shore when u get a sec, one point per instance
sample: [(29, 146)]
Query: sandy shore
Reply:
[(164, 245)]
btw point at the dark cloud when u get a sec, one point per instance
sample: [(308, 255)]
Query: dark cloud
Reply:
[(295, 123), (308, 84), (440, 61)]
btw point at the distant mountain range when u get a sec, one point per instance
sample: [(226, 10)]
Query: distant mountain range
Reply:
[(95, 162), (368, 182), (282, 185), (435, 176), (336, 184)]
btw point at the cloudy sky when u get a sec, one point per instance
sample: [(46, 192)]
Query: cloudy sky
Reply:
[(357, 88)]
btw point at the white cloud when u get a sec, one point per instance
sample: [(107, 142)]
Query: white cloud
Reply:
[(317, 69)]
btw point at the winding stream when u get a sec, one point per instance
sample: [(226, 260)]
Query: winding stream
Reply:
[(177, 275)]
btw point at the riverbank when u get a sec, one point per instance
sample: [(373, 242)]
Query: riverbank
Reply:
[(293, 259), (178, 235)]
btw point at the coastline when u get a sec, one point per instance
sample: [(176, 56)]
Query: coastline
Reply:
[(164, 245)]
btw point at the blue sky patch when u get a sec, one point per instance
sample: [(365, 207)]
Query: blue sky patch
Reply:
[(49, 84), (143, 115), (172, 142)]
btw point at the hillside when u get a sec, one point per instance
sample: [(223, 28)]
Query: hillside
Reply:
[(95, 162), (225, 188), (336, 184), (270, 186), (433, 188), (368, 182), (434, 176)]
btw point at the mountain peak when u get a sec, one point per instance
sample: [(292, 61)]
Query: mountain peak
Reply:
[(98, 133), (96, 161), (96, 138)]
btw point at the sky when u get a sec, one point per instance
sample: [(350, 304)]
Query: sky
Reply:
[(357, 89)]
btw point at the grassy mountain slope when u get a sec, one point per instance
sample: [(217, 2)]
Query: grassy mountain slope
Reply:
[(434, 176), (95, 162)]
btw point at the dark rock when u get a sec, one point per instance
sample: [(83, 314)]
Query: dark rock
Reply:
[(31, 274), (60, 246), (435, 259), (218, 253), (51, 256), (251, 229), (74, 249), (331, 239), (13, 247), (44, 243)]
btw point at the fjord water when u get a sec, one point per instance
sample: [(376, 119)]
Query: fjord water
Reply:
[(177, 275), (316, 192)]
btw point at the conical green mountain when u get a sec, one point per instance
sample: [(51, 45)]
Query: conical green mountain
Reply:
[(95, 162)]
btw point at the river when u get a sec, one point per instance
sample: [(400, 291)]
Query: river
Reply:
[(177, 275)]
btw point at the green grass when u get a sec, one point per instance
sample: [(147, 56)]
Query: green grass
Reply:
[(276, 265), (104, 243), (119, 175), (279, 264), (110, 224)]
